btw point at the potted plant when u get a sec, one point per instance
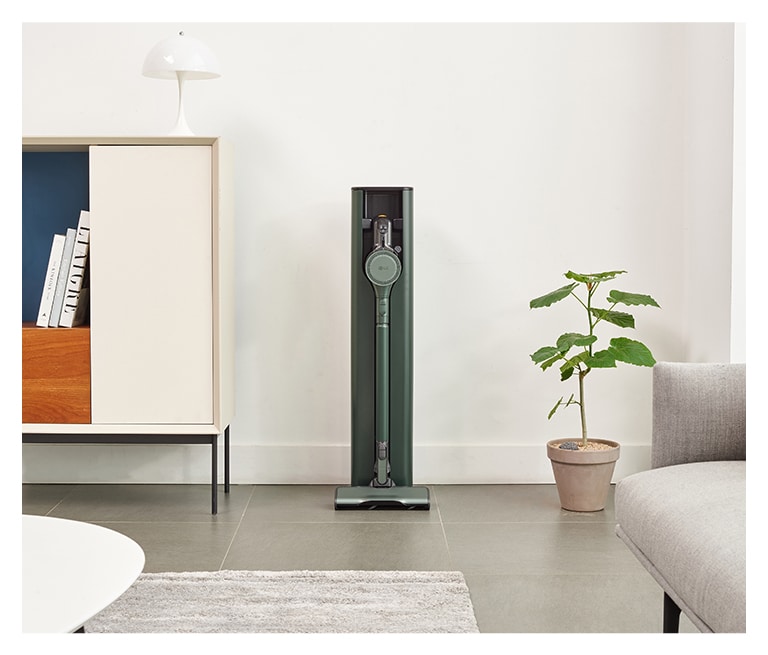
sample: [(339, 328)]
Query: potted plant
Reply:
[(583, 468)]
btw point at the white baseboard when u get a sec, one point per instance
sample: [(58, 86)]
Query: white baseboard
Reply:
[(296, 464)]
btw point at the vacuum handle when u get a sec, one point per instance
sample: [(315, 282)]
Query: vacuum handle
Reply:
[(382, 232)]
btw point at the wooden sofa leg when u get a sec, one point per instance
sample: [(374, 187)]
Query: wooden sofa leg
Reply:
[(671, 615)]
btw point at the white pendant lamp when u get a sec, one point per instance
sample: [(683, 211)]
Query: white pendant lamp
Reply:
[(181, 58)]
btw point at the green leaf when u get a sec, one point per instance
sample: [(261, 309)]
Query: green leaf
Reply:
[(601, 359), (566, 341), (568, 368), (631, 298), (554, 409), (631, 352), (592, 278), (574, 362), (552, 297), (544, 353), (551, 361), (622, 319)]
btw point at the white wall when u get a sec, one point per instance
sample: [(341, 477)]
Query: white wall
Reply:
[(739, 234), (708, 147), (532, 149)]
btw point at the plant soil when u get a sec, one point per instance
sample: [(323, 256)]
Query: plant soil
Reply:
[(595, 445)]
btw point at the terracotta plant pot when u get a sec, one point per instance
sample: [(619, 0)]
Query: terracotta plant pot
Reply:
[(583, 477)]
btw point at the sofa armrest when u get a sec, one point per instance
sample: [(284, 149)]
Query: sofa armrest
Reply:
[(699, 413)]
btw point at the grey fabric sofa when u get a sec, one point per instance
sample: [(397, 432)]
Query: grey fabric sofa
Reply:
[(685, 518)]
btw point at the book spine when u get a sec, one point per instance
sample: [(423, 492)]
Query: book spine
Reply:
[(51, 277), (77, 270), (61, 282), (81, 313)]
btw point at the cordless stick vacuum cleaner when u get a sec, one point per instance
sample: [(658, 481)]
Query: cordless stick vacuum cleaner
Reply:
[(382, 345)]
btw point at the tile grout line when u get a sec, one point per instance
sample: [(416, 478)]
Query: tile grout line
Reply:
[(445, 536), (237, 528)]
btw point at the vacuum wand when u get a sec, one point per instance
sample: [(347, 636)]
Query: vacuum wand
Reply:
[(382, 268), (382, 467)]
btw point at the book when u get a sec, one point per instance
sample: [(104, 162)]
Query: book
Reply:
[(51, 278), (61, 283), (76, 275), (81, 311)]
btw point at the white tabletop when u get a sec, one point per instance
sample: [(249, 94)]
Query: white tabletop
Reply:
[(71, 571)]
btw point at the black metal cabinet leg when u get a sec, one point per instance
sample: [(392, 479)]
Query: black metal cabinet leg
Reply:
[(200, 439), (671, 615), (226, 460), (214, 474)]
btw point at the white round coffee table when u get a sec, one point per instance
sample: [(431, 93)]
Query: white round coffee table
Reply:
[(71, 571)]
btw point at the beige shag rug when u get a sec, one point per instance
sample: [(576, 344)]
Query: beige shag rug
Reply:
[(292, 602)]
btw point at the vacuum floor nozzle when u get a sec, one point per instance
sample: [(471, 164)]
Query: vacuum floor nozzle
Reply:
[(408, 498)]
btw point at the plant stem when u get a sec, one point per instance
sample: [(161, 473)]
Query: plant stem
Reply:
[(582, 374), (591, 288)]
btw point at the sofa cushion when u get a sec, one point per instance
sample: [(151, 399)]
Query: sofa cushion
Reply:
[(688, 522), (699, 413)]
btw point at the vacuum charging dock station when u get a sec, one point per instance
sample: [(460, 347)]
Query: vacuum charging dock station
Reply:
[(382, 353)]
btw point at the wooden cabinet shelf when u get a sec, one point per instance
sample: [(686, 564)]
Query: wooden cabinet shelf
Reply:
[(56, 374)]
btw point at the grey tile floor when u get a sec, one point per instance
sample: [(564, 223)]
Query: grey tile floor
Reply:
[(531, 567)]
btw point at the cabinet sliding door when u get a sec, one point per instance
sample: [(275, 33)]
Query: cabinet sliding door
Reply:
[(151, 284)]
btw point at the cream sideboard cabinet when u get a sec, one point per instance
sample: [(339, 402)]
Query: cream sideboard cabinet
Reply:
[(154, 363)]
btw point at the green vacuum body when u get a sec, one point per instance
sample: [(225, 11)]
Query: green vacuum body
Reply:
[(382, 353)]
